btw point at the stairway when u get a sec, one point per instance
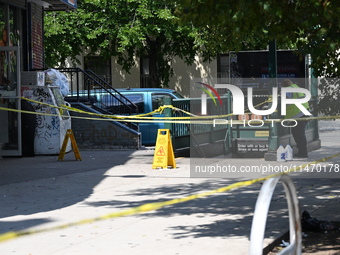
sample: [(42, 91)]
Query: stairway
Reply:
[(85, 86)]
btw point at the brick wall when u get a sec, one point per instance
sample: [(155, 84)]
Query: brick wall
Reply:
[(37, 37), (94, 134)]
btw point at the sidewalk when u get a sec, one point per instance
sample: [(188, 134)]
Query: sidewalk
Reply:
[(41, 192)]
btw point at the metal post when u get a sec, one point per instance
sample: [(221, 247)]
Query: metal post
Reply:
[(230, 134), (273, 139), (168, 113), (314, 91)]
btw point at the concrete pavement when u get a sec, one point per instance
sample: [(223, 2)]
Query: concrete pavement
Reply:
[(41, 192)]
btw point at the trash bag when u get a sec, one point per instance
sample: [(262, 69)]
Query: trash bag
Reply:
[(308, 223), (313, 224), (58, 79)]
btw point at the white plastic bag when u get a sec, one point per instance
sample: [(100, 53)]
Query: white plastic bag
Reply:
[(56, 78)]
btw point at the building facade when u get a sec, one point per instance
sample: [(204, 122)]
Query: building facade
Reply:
[(21, 50)]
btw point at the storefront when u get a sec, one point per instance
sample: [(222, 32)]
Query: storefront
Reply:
[(21, 49)]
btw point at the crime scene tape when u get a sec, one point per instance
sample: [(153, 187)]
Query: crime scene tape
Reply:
[(104, 117), (156, 205), (145, 115), (192, 119), (162, 108)]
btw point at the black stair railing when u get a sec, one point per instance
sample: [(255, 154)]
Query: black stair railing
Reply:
[(86, 86)]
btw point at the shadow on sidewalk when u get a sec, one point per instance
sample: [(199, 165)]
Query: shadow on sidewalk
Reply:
[(232, 211), (39, 184)]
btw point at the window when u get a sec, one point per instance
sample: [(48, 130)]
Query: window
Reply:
[(113, 105), (14, 27), (9, 37)]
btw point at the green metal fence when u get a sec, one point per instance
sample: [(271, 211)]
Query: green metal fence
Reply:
[(196, 137)]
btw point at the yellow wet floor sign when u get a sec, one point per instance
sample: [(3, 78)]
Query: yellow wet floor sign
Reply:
[(164, 154), (69, 135)]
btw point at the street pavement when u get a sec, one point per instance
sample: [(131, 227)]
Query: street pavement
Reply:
[(41, 192)]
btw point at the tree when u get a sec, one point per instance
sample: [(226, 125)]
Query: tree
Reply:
[(329, 101), (310, 25), (137, 28), (125, 29), (161, 30)]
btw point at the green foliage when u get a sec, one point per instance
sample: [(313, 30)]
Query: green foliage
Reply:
[(161, 30), (312, 26), (57, 35), (124, 29), (329, 96)]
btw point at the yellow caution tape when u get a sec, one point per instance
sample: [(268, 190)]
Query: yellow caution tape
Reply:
[(160, 111), (157, 205), (176, 120), (145, 115), (192, 119)]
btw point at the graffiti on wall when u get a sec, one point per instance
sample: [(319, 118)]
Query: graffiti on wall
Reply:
[(46, 126), (50, 130)]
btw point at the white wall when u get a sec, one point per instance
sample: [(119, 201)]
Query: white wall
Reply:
[(180, 81), (184, 75), (122, 79)]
